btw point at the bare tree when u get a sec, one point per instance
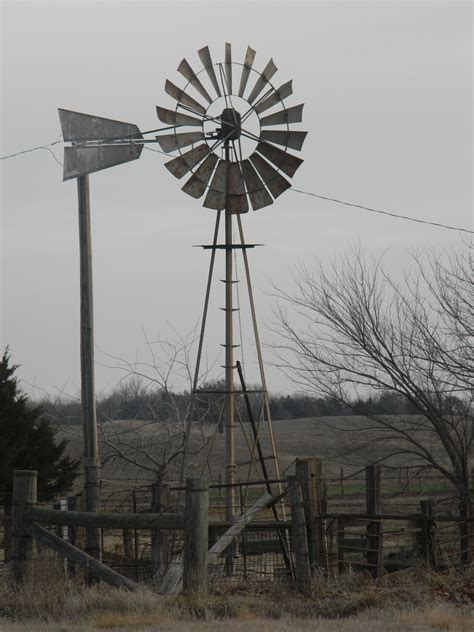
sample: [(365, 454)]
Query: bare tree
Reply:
[(349, 329)]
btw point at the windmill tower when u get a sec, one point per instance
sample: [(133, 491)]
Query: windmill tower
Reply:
[(238, 127)]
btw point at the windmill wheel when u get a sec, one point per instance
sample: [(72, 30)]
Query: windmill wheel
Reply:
[(236, 155)]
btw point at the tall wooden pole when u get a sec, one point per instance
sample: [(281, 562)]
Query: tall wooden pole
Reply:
[(229, 370), (91, 446)]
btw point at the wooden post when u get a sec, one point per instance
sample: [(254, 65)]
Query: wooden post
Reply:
[(427, 533), (340, 545), (196, 530), (91, 446), (136, 539), (160, 501), (299, 536), (341, 480), (71, 534), (127, 540), (374, 529), (308, 474), (22, 544)]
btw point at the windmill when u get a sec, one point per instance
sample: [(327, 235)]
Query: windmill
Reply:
[(236, 157)]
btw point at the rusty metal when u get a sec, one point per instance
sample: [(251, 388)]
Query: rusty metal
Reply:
[(216, 195), (290, 115), (274, 181), (206, 60), (237, 202), (188, 73), (76, 126), (182, 164), (259, 196), (197, 183), (181, 97), (228, 67), (170, 117), (82, 160), (292, 140), (268, 72), (248, 62), (172, 142), (283, 160), (280, 93)]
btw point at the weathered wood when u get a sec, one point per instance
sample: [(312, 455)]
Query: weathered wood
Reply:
[(172, 581), (374, 529), (108, 520), (22, 544), (299, 536), (308, 473), (127, 539), (95, 569), (71, 533), (196, 530), (426, 538), (91, 445), (340, 546), (160, 541)]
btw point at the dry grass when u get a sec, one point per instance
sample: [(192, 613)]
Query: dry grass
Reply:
[(414, 601)]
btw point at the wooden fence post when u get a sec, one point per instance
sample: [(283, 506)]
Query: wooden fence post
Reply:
[(308, 474), (196, 533), (374, 529), (427, 533), (160, 501), (22, 544), (299, 536), (71, 533)]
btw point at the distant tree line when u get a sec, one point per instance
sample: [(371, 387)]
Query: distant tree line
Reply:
[(134, 400)]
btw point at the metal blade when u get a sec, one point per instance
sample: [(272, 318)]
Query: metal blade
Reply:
[(181, 97), (80, 161), (284, 161), (249, 57), (216, 196), (188, 73), (259, 196), (290, 115), (292, 140), (274, 181), (228, 67), (237, 201), (197, 183), (182, 164), (76, 126), (268, 72), (205, 57), (170, 117), (171, 142), (281, 93)]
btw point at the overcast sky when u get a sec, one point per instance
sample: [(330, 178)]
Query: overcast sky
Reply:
[(387, 93)]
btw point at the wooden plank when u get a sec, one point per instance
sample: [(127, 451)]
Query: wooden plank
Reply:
[(107, 520), (95, 569), (172, 582), (195, 545)]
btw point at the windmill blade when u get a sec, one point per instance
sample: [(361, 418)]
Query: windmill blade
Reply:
[(259, 196), (292, 140), (182, 164), (171, 142), (216, 196), (273, 180), (170, 117), (188, 73), (197, 183), (284, 161), (80, 161), (181, 97), (248, 62), (228, 67), (268, 72), (76, 126), (281, 93), (237, 200), (290, 115), (206, 60)]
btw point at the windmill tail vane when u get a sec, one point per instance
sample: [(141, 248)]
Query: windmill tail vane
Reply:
[(216, 164)]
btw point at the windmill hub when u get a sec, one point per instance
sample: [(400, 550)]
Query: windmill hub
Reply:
[(231, 128)]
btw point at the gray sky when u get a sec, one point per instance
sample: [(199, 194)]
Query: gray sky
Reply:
[(387, 92)]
